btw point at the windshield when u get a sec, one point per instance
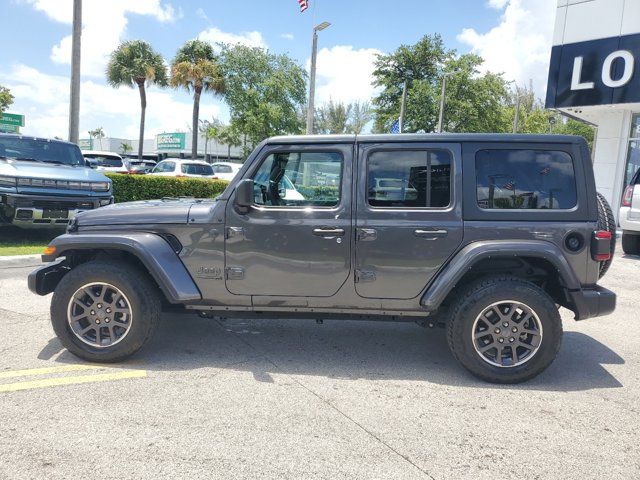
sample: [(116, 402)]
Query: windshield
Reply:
[(104, 160), (40, 150), (196, 169)]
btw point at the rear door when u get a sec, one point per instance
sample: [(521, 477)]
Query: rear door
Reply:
[(408, 216)]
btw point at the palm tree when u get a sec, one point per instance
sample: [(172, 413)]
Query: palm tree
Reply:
[(135, 63), (195, 68), (97, 133), (227, 135), (125, 147)]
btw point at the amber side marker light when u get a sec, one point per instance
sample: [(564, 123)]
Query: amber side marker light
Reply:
[(50, 250)]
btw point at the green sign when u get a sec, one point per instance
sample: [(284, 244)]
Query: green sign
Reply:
[(9, 128), (171, 141), (85, 143), (12, 119)]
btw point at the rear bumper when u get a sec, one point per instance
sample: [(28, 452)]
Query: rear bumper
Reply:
[(592, 302), (629, 219)]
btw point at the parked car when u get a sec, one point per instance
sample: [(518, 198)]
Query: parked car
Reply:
[(106, 161), (140, 166), (226, 170), (45, 183), (180, 167), (629, 217), (496, 235)]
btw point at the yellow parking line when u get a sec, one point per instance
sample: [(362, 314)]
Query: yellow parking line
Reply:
[(47, 370), (53, 382)]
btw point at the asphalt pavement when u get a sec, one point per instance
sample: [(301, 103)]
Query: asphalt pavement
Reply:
[(292, 399)]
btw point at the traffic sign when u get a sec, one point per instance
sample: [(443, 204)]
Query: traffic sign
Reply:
[(12, 119)]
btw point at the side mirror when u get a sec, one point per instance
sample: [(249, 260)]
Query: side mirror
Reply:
[(244, 193)]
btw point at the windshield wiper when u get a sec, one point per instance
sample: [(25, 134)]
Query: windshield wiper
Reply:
[(28, 159)]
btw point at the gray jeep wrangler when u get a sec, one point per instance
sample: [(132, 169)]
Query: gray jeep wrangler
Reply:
[(487, 235)]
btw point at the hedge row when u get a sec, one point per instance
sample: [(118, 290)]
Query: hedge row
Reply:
[(127, 188)]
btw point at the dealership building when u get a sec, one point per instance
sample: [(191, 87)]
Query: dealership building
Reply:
[(594, 75)]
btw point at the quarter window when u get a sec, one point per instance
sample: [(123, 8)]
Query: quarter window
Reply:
[(299, 179), (409, 178), (525, 179)]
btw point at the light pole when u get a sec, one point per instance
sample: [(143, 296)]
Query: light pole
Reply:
[(312, 75), (442, 94), (74, 97)]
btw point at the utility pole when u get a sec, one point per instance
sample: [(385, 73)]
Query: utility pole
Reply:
[(403, 107), (312, 75), (74, 96), (442, 94)]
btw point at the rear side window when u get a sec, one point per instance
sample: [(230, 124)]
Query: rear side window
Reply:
[(409, 178), (222, 169), (525, 179), (196, 169)]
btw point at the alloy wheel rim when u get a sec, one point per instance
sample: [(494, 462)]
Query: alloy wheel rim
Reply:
[(507, 334), (99, 314)]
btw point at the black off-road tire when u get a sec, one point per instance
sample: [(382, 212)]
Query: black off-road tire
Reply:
[(606, 221), (474, 299), (141, 292), (630, 243)]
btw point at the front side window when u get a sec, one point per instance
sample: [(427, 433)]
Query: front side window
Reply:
[(525, 179), (299, 179), (409, 178)]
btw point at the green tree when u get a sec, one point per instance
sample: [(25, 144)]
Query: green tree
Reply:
[(97, 133), (361, 115), (332, 117), (209, 131), (135, 64), (196, 69), (473, 100), (125, 148), (6, 98), (265, 93), (228, 136)]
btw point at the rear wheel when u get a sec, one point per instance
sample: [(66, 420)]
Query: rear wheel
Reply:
[(630, 243), (607, 222), (504, 330), (105, 312)]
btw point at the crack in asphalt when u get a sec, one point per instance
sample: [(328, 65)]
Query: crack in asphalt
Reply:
[(328, 403)]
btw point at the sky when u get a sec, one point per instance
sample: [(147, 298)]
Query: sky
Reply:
[(513, 36)]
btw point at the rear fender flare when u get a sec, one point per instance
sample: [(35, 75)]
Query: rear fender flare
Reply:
[(473, 253)]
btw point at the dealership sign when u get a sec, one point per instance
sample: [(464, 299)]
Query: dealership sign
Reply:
[(171, 141), (597, 72)]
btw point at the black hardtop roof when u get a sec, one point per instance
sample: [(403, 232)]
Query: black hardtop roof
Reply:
[(30, 137), (427, 137)]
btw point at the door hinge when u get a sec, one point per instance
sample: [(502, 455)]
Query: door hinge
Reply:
[(234, 273), (234, 232), (366, 234), (365, 276)]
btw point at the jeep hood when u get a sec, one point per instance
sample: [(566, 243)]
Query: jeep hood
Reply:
[(51, 171), (145, 212)]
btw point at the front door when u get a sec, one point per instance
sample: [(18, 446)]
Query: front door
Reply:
[(408, 217), (294, 240)]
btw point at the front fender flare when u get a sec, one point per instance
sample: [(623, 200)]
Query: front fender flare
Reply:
[(466, 258), (157, 256)]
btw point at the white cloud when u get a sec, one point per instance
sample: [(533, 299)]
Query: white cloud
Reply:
[(498, 4), (201, 14), (345, 74), (287, 36), (214, 35), (103, 27), (44, 99), (520, 45)]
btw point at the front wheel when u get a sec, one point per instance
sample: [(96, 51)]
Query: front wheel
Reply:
[(504, 330), (105, 312)]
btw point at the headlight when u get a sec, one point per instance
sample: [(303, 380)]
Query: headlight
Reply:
[(100, 186), (7, 181)]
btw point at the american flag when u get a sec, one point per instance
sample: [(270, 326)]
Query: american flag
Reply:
[(304, 4), (511, 185), (395, 128)]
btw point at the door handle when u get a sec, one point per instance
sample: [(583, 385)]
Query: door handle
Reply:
[(430, 234), (328, 232)]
